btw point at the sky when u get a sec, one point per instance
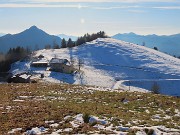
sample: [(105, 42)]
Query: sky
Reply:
[(77, 17)]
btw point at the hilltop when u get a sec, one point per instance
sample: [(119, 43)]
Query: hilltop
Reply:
[(113, 64)]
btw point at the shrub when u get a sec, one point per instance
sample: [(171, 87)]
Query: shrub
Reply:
[(86, 118), (149, 131), (155, 88)]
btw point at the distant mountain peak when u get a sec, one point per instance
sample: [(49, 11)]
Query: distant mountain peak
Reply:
[(34, 30), (33, 27), (130, 33), (32, 37)]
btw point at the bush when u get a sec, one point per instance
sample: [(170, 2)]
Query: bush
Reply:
[(86, 118), (155, 88), (155, 48), (149, 131)]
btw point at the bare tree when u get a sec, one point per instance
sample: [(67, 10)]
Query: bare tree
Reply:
[(80, 63), (155, 88)]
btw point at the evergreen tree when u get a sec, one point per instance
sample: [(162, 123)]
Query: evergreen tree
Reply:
[(13, 55), (63, 43), (70, 43), (87, 37), (155, 48)]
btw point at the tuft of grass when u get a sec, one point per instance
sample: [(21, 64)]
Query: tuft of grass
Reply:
[(149, 131), (86, 117)]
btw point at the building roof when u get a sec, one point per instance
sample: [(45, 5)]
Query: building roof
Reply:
[(40, 61), (22, 75), (25, 76), (59, 61)]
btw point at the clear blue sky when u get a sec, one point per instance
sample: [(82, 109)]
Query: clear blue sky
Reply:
[(160, 17)]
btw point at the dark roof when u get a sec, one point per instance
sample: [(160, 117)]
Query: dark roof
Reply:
[(22, 75), (59, 61)]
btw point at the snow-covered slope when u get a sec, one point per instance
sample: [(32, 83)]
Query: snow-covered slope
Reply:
[(116, 64)]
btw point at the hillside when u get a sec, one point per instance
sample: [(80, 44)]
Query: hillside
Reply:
[(168, 44), (34, 38), (57, 109), (114, 64)]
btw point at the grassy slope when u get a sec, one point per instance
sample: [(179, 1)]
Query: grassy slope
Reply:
[(55, 101)]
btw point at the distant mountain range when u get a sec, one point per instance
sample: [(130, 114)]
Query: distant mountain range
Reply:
[(36, 38), (168, 44), (66, 37), (2, 34), (33, 38)]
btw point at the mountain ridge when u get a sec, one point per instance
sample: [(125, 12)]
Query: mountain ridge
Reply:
[(32, 37), (166, 43)]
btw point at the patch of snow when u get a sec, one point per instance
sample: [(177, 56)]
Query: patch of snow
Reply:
[(141, 133), (54, 125), (147, 111), (94, 119), (78, 120), (177, 112), (67, 129), (36, 131), (13, 131), (67, 117), (18, 100), (123, 128), (25, 76), (51, 121)]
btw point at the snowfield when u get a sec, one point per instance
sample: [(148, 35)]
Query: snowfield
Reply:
[(114, 64)]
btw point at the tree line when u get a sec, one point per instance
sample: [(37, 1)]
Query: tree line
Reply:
[(81, 40), (13, 55)]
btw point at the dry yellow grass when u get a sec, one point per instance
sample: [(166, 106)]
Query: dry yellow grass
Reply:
[(30, 105)]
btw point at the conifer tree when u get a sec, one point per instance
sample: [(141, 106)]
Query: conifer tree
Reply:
[(63, 43), (70, 43)]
